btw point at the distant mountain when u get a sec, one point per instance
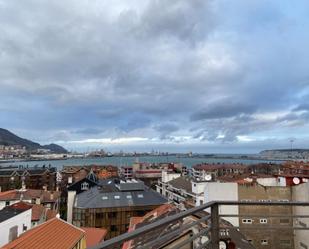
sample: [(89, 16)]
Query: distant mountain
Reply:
[(285, 150), (55, 148), (9, 138)]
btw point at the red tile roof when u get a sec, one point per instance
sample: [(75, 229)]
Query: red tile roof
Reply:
[(21, 205), (45, 196), (213, 166), (133, 222), (152, 215), (94, 235), (7, 195), (37, 212), (50, 214), (54, 233)]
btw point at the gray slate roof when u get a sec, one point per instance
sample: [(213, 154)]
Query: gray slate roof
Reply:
[(183, 182), (96, 198), (8, 212)]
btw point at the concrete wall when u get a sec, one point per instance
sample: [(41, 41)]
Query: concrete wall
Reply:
[(70, 204), (198, 187), (19, 220), (166, 177), (257, 230), (216, 191), (272, 181), (301, 193)]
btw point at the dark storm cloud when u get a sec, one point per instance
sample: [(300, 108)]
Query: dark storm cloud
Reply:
[(210, 70), (226, 108)]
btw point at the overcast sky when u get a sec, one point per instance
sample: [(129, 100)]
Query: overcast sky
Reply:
[(181, 75)]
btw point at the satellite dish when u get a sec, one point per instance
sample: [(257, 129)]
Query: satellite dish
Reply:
[(305, 180), (296, 180), (208, 177), (222, 245)]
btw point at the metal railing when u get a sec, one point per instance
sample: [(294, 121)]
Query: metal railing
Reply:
[(211, 226)]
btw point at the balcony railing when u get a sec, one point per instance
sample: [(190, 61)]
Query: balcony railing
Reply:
[(212, 226)]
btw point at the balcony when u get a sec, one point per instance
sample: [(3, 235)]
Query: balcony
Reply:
[(281, 223)]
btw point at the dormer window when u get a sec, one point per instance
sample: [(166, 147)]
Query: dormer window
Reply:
[(85, 186)]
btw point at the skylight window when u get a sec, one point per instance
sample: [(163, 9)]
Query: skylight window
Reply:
[(117, 197), (104, 198), (140, 196), (85, 186), (129, 196)]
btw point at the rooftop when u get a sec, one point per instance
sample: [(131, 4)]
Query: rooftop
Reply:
[(54, 233), (45, 196), (157, 214), (217, 166), (37, 210), (183, 182), (94, 235), (6, 172), (108, 194), (9, 212)]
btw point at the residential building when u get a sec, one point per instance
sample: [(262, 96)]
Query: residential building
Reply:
[(264, 168), (210, 172), (110, 204), (227, 234), (39, 213), (33, 178), (261, 236), (54, 233), (49, 199), (301, 193), (13, 222), (150, 173), (72, 174), (181, 190)]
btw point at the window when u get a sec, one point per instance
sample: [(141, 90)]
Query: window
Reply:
[(247, 221), (70, 180), (24, 228), (113, 228), (85, 186), (104, 198), (284, 200), (13, 233), (284, 221), (130, 196), (112, 215), (263, 221), (7, 203), (99, 216), (117, 197), (302, 224), (264, 242), (140, 196), (285, 242)]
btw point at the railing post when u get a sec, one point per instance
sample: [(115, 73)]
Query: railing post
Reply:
[(215, 226)]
